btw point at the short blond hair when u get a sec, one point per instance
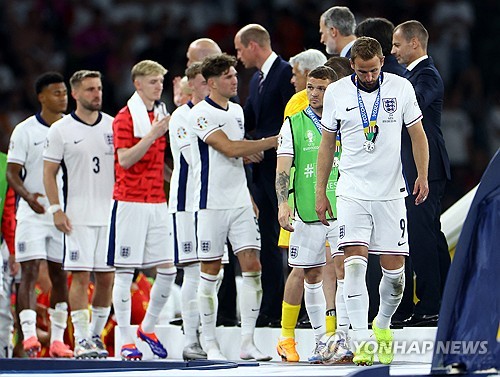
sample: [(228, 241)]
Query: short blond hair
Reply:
[(81, 75), (147, 68)]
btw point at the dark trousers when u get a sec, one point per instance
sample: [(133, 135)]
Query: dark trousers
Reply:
[(227, 292)]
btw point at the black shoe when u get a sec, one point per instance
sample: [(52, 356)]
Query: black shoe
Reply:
[(421, 320), (176, 322)]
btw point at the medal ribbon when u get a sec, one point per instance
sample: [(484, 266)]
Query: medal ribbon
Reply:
[(370, 128), (315, 119)]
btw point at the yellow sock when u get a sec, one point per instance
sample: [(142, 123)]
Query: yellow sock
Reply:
[(331, 323), (289, 317)]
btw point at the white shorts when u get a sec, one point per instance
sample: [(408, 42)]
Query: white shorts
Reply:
[(139, 235), (38, 241), (307, 243), (85, 249), (379, 225), (238, 225), (182, 236)]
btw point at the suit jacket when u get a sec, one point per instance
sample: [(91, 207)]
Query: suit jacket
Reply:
[(429, 89), (264, 117), (391, 65)]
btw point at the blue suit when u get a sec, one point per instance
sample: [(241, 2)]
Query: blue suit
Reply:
[(428, 248), (264, 117)]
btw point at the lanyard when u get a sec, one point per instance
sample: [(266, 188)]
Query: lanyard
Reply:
[(369, 127), (315, 119)]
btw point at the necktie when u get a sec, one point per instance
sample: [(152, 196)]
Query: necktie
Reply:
[(261, 81)]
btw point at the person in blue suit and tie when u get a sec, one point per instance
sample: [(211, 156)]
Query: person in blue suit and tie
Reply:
[(428, 248), (270, 89)]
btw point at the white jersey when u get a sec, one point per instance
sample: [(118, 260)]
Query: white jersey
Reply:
[(86, 155), (26, 149), (285, 147), (373, 175), (220, 181), (181, 184)]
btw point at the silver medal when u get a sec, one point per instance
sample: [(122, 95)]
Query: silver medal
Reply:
[(369, 146)]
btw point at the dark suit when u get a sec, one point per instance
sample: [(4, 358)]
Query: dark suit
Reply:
[(264, 117), (428, 248)]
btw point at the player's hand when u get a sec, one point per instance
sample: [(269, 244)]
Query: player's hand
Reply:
[(32, 200), (62, 222), (160, 126), (13, 265), (285, 216), (254, 158), (421, 190), (322, 207)]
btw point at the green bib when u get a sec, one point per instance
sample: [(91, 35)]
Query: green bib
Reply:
[(3, 181), (306, 140)]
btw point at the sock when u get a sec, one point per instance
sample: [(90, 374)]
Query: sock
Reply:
[(355, 291), (189, 303), (391, 292), (208, 303), (289, 318), (80, 319), (58, 321), (220, 277), (98, 320), (343, 322), (122, 303), (162, 286), (27, 319), (250, 300), (314, 298), (331, 321)]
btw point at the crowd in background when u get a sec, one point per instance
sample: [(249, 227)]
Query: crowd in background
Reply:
[(112, 35)]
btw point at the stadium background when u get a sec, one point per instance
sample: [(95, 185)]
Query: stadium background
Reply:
[(112, 35)]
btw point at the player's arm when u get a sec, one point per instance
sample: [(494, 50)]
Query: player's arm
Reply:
[(324, 166), (285, 214), (420, 148), (129, 156), (61, 221), (239, 148), (17, 184)]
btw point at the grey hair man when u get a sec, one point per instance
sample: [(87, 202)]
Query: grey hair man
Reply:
[(302, 64), (336, 26)]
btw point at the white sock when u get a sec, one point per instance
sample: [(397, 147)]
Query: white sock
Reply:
[(27, 319), (58, 321), (80, 319), (315, 301), (220, 277), (98, 320), (208, 303), (162, 286), (355, 291), (250, 300), (391, 290), (122, 303), (343, 322), (189, 303)]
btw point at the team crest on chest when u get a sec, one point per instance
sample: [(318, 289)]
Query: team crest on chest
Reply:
[(108, 139), (390, 105), (202, 123)]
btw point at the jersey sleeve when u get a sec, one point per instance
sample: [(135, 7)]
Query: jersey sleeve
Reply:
[(18, 147), (178, 130), (411, 111), (203, 125), (54, 145), (123, 130), (285, 145), (329, 119)]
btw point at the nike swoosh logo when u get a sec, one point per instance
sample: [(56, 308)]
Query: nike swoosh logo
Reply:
[(78, 141), (125, 300), (352, 296), (317, 327), (163, 296), (393, 295), (255, 310), (39, 142), (350, 108), (222, 125), (401, 243), (206, 315)]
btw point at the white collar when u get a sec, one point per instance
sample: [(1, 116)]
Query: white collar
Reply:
[(266, 67), (346, 48), (414, 63)]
